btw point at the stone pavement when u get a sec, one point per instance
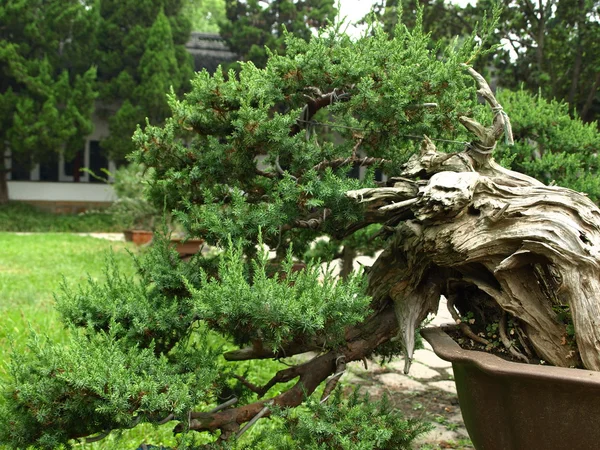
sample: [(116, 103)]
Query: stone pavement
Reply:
[(107, 236)]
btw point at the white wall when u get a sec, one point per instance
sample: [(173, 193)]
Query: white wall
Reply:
[(56, 191)]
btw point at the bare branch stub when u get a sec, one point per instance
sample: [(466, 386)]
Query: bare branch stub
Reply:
[(339, 162), (487, 136), (340, 368)]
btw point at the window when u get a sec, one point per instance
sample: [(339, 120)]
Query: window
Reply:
[(72, 168), (49, 168), (98, 161), (19, 171)]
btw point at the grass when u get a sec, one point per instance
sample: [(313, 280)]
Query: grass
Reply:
[(16, 216), (32, 268)]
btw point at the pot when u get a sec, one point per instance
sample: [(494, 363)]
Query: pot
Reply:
[(187, 247), (138, 237), (516, 406)]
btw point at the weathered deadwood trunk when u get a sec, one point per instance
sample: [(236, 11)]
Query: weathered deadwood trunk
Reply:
[(496, 243)]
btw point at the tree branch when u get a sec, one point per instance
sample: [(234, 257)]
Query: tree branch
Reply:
[(314, 105), (335, 163), (362, 340)]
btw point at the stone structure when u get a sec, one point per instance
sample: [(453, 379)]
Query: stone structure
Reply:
[(209, 50)]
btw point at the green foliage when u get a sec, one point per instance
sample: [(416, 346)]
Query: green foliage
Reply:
[(552, 46), (100, 383), (152, 310), (205, 157), (252, 306), (48, 80), (16, 216), (141, 55), (144, 346), (205, 15), (357, 422), (549, 144), (132, 210), (134, 354), (250, 26)]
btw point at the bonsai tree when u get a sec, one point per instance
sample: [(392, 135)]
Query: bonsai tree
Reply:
[(257, 163)]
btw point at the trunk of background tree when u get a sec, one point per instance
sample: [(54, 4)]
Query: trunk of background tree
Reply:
[(3, 187)]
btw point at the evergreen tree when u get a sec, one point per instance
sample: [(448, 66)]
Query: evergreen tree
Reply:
[(253, 25), (549, 144), (141, 54), (47, 88), (551, 46), (205, 15)]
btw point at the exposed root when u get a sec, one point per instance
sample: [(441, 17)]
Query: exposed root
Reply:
[(464, 328), (507, 342), (521, 336)]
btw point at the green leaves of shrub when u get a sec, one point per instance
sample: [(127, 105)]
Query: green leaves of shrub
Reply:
[(94, 383), (245, 302), (356, 423)]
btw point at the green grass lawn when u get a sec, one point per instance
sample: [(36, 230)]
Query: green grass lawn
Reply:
[(32, 268), (17, 216)]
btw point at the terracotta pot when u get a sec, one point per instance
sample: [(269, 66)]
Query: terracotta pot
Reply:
[(187, 247), (138, 237), (516, 406)]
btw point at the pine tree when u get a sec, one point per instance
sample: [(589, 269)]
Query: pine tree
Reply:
[(141, 54), (47, 88), (250, 26)]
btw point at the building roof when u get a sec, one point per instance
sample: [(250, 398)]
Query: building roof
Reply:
[(209, 50)]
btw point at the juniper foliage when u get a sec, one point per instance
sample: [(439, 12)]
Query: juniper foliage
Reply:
[(205, 157)]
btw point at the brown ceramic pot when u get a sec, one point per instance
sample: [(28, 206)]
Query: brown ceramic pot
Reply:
[(515, 406), (138, 237), (187, 247)]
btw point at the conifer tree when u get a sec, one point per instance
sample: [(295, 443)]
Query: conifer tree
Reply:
[(206, 15), (141, 54), (550, 46), (252, 25), (47, 88)]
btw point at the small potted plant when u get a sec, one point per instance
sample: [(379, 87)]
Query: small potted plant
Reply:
[(136, 215)]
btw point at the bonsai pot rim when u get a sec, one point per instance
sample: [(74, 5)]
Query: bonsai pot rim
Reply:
[(138, 236), (447, 349)]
